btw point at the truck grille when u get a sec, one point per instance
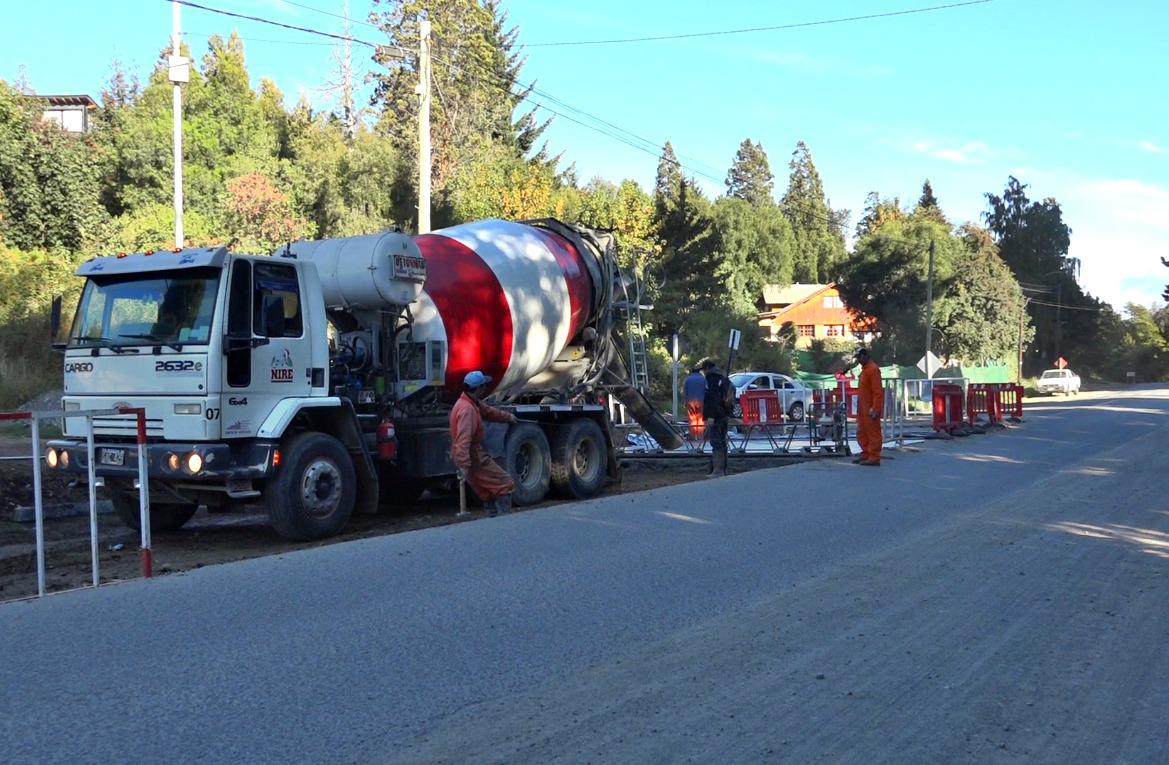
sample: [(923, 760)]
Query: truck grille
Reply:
[(125, 426)]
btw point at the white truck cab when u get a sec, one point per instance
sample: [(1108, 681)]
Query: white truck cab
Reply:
[(222, 351)]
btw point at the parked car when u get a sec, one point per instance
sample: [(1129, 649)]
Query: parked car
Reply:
[(793, 394), (1055, 381)]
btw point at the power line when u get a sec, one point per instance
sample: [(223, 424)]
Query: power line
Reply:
[(1066, 307), (259, 39), (350, 19), (306, 30), (724, 32)]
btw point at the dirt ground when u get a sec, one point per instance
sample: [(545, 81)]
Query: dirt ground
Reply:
[(222, 538)]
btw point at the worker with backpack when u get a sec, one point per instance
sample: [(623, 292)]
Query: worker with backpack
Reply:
[(717, 405)]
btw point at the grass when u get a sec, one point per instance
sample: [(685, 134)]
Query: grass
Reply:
[(28, 364)]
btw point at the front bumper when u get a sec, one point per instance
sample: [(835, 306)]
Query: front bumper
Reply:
[(221, 461)]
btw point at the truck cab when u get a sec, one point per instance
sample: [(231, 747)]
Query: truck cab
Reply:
[(221, 350)]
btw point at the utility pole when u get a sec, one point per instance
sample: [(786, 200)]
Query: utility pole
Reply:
[(179, 74), (1022, 316), (929, 316), (1058, 323), (423, 91)]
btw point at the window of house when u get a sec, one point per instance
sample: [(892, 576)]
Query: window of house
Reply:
[(835, 330), (806, 330), (833, 301), (274, 283)]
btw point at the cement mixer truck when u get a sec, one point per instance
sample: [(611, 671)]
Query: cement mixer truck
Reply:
[(318, 381)]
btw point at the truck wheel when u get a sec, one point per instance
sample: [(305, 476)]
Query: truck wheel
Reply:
[(163, 517), (796, 413), (528, 459), (579, 459), (312, 494)]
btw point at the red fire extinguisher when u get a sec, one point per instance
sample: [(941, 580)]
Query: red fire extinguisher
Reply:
[(387, 442)]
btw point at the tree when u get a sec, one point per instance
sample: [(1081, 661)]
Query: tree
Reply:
[(49, 180), (752, 247), (979, 312), (1033, 240), (750, 177), (819, 247), (667, 182), (878, 212), (259, 217), (927, 205), (886, 278), (475, 70), (685, 229)]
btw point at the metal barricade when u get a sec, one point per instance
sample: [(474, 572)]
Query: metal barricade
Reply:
[(34, 419)]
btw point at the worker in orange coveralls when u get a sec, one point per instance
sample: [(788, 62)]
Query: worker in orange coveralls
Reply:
[(491, 482), (868, 416)]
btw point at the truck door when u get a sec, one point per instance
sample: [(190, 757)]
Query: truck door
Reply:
[(268, 356)]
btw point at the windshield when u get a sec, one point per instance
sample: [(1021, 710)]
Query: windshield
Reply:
[(165, 307), (1052, 373), (741, 379)]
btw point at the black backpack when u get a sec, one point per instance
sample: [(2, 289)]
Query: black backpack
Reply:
[(714, 400)]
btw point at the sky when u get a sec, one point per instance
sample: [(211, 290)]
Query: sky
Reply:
[(1066, 95)]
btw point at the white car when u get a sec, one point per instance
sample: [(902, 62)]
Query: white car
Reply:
[(1055, 381), (793, 394)]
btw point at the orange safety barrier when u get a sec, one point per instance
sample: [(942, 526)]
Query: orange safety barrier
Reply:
[(761, 407), (947, 401), (828, 398), (1010, 400), (982, 398)]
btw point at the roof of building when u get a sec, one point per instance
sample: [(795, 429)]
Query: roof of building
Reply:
[(778, 296), (73, 100)]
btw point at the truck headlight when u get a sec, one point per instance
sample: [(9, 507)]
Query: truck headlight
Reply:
[(188, 408), (72, 406), (194, 463), (64, 458), (51, 457)]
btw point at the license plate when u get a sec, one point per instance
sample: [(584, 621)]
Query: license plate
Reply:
[(113, 457)]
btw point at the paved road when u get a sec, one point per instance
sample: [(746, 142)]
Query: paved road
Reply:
[(1002, 598)]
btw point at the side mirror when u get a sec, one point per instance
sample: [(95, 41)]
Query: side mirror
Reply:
[(55, 325)]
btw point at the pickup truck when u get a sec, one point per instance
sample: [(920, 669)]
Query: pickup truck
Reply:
[(1056, 381)]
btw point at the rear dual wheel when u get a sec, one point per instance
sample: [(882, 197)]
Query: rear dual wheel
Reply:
[(580, 459)]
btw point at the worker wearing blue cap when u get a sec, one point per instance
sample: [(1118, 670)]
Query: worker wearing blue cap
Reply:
[(491, 482)]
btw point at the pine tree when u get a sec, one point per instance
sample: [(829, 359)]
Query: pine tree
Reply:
[(750, 175), (475, 72), (819, 244), (685, 230), (927, 205), (668, 183)]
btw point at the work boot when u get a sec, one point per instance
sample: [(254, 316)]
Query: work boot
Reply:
[(492, 508), (718, 465), (503, 504)]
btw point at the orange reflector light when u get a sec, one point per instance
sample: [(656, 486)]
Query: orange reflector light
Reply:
[(276, 458)]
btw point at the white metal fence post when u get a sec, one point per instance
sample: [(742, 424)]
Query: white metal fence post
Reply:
[(39, 509), (92, 471)]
